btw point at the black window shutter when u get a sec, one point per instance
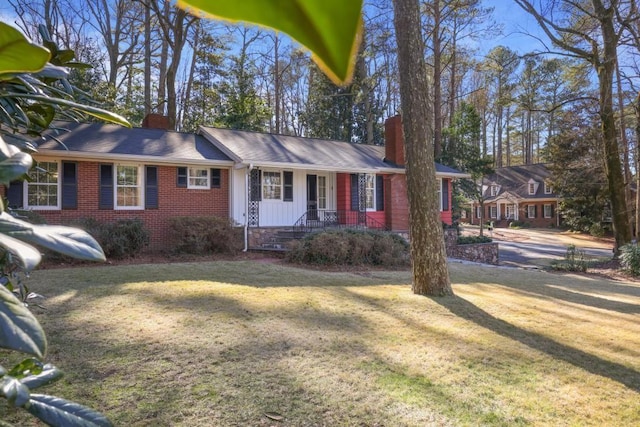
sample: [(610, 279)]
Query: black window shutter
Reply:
[(445, 194), (535, 211), (288, 186), (69, 185), (379, 192), (182, 177), (552, 211), (256, 185), (151, 187), (15, 194), (216, 178), (355, 197), (106, 186)]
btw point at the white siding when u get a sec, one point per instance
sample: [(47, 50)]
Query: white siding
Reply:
[(274, 213)]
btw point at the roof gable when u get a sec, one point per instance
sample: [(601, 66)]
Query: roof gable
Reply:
[(516, 180)]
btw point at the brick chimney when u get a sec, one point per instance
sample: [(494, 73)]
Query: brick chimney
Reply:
[(155, 121), (394, 140)]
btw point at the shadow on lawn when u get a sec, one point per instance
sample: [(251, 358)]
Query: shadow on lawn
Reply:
[(590, 363)]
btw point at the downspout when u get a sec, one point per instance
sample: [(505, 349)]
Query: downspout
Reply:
[(246, 207)]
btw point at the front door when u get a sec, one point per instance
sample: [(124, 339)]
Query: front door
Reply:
[(312, 197)]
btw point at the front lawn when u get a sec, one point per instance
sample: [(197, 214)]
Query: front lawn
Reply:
[(224, 343)]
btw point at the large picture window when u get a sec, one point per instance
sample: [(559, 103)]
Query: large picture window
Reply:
[(271, 185), (128, 187), (43, 190), (198, 178)]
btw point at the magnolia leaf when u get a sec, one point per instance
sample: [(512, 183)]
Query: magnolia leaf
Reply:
[(19, 329), (13, 162), (330, 29), (14, 391), (87, 109), (25, 255), (59, 412), (19, 55), (49, 375), (69, 241)]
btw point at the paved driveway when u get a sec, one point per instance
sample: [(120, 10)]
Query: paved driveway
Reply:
[(539, 247)]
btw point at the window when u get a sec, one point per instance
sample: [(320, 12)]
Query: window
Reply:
[(198, 178), (478, 212), (43, 190), (322, 192), (532, 188), (531, 211), (463, 214), (271, 186), (128, 187), (510, 211), (493, 212), (370, 192), (439, 193), (493, 190), (547, 188), (548, 211)]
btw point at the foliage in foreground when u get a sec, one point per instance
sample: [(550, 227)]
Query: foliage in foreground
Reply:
[(30, 103), (467, 240), (630, 258), (351, 247)]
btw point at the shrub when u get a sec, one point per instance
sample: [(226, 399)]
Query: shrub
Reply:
[(630, 258), (596, 229), (467, 240), (203, 235), (351, 247), (121, 239), (574, 260)]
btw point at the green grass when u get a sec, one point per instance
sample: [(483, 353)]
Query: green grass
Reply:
[(223, 343)]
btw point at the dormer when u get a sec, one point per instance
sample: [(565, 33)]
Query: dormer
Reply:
[(494, 189), (548, 189), (532, 187)]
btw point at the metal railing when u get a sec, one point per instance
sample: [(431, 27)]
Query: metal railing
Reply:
[(315, 220)]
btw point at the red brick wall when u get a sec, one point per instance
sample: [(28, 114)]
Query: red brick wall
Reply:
[(396, 203), (172, 202)]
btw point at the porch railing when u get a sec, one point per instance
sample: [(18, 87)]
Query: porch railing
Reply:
[(315, 220)]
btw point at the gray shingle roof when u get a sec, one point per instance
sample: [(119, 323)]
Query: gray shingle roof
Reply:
[(98, 140), (515, 181), (309, 153)]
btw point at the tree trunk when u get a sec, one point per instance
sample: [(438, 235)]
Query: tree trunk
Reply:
[(625, 148), (605, 69), (429, 262), (437, 78), (147, 59)]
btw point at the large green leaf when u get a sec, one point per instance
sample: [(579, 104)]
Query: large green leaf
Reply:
[(87, 109), (19, 55), (26, 256), (14, 391), (49, 375), (19, 329), (59, 412), (329, 28), (70, 241), (13, 162)]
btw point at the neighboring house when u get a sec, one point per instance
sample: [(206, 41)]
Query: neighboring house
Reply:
[(263, 182), (518, 193)]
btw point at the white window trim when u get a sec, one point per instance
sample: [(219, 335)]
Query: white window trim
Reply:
[(140, 186), (372, 177), (529, 207), (478, 212), (262, 185), (547, 188), (544, 209), (25, 191), (198, 187), (493, 190), (493, 212), (326, 191)]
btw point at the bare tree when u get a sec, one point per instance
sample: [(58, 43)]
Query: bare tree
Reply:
[(588, 30)]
